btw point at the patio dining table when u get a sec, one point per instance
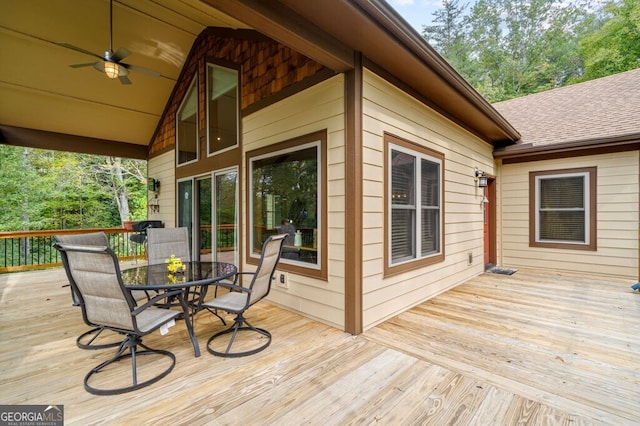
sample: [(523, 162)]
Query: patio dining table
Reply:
[(196, 274)]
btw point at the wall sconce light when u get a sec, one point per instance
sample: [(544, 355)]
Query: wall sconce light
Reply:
[(481, 178), (154, 185)]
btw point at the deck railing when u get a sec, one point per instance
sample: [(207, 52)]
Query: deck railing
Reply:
[(26, 250)]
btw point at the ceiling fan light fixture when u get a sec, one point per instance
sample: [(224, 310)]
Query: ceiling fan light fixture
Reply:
[(111, 69)]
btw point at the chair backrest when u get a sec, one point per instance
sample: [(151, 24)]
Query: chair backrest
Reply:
[(98, 239), (95, 277), (261, 282), (88, 239), (163, 242)]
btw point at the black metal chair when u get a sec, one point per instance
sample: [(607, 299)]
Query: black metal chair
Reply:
[(105, 302), (240, 298), (99, 239)]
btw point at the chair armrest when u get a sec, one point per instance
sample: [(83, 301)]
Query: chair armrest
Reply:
[(233, 286), (155, 299)]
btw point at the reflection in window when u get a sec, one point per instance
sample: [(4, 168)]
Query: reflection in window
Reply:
[(222, 107), (187, 126), (285, 191)]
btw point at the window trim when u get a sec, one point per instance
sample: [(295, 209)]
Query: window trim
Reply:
[(222, 64), (420, 152), (194, 83), (590, 211), (320, 138)]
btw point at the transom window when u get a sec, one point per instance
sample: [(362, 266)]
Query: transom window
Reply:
[(187, 126), (414, 205), (564, 208), (222, 108)]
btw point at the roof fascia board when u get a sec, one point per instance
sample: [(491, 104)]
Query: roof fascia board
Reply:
[(528, 152), (287, 27)]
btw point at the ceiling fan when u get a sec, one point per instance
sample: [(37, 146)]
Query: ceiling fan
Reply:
[(111, 63)]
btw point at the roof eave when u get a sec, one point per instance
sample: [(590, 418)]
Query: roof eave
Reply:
[(593, 146)]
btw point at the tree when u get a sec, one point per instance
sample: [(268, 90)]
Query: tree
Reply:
[(509, 48), (524, 46), (62, 190), (613, 45), (449, 35)]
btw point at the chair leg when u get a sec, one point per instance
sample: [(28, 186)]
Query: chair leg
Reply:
[(130, 343), (240, 324), (93, 335)]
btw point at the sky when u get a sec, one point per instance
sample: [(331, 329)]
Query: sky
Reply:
[(416, 12)]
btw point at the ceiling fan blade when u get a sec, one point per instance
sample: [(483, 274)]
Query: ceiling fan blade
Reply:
[(147, 71), (82, 65), (79, 49), (120, 54), (124, 79)]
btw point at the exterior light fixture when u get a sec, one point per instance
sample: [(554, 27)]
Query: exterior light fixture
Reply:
[(481, 178)]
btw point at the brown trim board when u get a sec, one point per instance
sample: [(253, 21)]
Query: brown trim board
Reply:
[(42, 139), (353, 309)]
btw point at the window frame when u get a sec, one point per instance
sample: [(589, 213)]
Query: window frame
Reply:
[(318, 139), (395, 143), (193, 84), (221, 64), (590, 183)]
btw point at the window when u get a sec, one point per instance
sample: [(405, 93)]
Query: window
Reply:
[(286, 196), (222, 108), (414, 206), (563, 209), (187, 126)]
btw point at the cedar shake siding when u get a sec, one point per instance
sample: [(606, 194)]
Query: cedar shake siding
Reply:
[(267, 68)]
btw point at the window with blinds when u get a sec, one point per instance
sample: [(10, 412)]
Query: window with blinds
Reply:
[(564, 209), (415, 210)]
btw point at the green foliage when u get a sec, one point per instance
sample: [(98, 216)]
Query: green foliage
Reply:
[(61, 190), (613, 46), (510, 48)]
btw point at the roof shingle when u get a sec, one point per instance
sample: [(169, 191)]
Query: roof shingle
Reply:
[(603, 108)]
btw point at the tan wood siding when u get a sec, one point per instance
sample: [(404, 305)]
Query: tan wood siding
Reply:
[(617, 218), (162, 168), (317, 108), (387, 109)]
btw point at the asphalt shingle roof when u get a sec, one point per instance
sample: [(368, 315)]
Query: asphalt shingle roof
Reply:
[(603, 108)]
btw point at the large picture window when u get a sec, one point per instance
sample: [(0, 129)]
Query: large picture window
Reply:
[(222, 108), (563, 208), (286, 197), (187, 126), (414, 205)]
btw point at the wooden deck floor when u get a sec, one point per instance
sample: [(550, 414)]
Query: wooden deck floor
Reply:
[(532, 348)]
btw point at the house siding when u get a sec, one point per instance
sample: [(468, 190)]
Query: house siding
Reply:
[(162, 168), (617, 218), (388, 109), (320, 107)]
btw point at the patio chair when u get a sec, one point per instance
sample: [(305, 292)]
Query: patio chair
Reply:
[(98, 239), (164, 242), (240, 298), (106, 302)]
